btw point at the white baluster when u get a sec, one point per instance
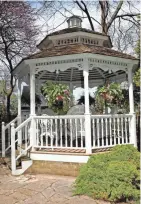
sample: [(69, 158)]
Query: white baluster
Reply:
[(46, 132), (118, 130), (25, 136), (110, 120), (51, 124), (66, 141), (42, 133), (9, 134), (76, 132), (93, 122), (13, 149), (122, 135), (37, 139), (102, 126), (3, 139), (81, 127), (114, 131), (126, 130), (98, 132), (71, 131), (61, 132), (56, 133), (106, 124)]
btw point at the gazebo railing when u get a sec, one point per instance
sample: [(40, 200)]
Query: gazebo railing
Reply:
[(60, 132), (110, 130)]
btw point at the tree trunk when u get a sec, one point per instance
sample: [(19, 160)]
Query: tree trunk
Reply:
[(8, 108)]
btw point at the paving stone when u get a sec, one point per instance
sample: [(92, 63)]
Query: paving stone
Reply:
[(10, 186), (18, 196), (38, 185), (6, 192), (48, 193), (65, 191), (26, 192), (58, 198), (36, 199), (4, 199), (39, 189)]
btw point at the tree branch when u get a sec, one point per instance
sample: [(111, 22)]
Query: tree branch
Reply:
[(85, 10), (128, 15), (115, 14)]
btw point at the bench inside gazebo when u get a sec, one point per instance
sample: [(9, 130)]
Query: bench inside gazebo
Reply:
[(77, 55)]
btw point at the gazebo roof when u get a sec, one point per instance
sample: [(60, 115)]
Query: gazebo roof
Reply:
[(61, 56), (78, 49), (72, 30)]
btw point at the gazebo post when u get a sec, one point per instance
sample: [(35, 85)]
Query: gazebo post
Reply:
[(87, 108), (131, 104), (32, 107), (19, 110)]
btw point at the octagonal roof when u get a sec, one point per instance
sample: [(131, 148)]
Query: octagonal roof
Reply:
[(78, 49)]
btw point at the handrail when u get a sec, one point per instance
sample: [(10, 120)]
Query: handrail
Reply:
[(9, 124), (112, 116), (23, 124), (59, 117)]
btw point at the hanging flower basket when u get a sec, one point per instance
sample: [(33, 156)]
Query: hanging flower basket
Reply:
[(57, 95), (111, 94)]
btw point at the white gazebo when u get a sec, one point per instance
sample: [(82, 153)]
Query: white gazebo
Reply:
[(77, 55)]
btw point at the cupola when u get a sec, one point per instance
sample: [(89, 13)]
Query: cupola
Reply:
[(74, 21)]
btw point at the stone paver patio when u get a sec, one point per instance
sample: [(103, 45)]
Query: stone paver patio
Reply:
[(38, 189)]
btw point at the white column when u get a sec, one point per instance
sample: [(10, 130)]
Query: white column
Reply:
[(32, 107), (19, 96), (133, 136), (19, 111), (32, 91), (13, 150), (87, 108)]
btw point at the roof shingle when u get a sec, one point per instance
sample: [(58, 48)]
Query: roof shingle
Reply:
[(78, 49)]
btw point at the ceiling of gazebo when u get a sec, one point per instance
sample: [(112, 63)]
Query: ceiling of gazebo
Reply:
[(73, 74)]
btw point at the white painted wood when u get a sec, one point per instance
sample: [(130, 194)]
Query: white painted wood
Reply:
[(131, 104), (19, 96), (110, 123), (87, 108), (25, 166), (3, 139), (13, 149), (93, 123), (106, 124), (32, 91), (76, 131), (102, 133), (98, 133), (59, 157), (131, 97)]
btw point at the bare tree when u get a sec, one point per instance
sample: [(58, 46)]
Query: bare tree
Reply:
[(115, 18), (17, 37)]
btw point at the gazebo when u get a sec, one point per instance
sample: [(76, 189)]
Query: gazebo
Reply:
[(78, 56)]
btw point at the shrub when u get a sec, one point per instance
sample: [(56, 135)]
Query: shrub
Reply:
[(111, 176)]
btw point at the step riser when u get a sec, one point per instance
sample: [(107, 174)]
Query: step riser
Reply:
[(55, 168)]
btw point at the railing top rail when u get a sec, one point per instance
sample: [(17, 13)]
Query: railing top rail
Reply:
[(112, 116), (60, 117), (13, 121), (23, 124)]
